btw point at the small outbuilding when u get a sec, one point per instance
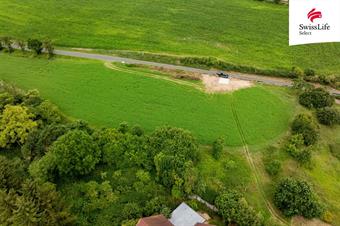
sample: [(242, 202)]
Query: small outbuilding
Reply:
[(183, 215)]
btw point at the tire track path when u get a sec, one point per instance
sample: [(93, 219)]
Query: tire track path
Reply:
[(253, 167)]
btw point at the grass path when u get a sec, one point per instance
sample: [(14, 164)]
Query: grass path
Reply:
[(254, 169)]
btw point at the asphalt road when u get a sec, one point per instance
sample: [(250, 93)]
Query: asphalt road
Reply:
[(249, 77)]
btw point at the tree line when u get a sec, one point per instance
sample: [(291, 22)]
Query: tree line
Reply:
[(37, 46)]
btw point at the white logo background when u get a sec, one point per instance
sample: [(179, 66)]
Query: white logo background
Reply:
[(298, 10)]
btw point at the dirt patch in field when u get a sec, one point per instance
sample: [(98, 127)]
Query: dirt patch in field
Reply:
[(212, 84), (300, 221)]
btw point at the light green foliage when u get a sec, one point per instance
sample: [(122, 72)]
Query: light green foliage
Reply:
[(76, 153), (15, 124), (235, 209), (264, 113), (244, 32), (98, 196), (11, 173)]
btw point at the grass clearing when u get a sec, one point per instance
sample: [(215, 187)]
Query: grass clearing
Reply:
[(242, 32), (88, 90)]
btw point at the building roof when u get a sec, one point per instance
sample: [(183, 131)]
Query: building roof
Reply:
[(202, 224), (183, 215), (158, 220)]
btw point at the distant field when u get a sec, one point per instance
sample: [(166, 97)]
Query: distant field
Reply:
[(244, 32), (87, 90)]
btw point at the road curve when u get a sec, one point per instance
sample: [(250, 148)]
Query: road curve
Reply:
[(249, 77)]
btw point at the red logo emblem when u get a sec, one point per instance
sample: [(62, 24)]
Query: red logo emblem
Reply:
[(312, 15)]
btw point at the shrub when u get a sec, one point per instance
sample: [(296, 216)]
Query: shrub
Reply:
[(295, 197), (316, 98), (137, 130), (296, 72), (217, 148), (309, 72), (304, 124), (123, 127), (35, 45), (327, 217), (328, 116), (273, 167), (295, 147)]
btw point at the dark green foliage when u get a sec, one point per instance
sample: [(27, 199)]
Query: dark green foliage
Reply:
[(156, 205), (309, 72), (295, 197), (316, 98), (235, 210), (48, 46), (35, 204), (217, 148), (304, 124), (273, 167), (5, 98), (76, 153), (137, 130), (132, 211), (328, 116), (11, 173), (35, 45), (123, 127), (38, 141)]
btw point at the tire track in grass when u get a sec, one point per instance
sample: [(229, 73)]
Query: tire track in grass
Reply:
[(253, 167)]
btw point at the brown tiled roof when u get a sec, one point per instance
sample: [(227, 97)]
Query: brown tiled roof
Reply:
[(158, 220)]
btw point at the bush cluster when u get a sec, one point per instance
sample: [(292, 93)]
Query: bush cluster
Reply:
[(295, 197)]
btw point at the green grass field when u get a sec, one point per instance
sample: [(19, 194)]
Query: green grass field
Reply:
[(88, 90), (243, 32)]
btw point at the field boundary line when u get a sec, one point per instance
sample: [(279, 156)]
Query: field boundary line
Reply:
[(150, 75), (252, 165)]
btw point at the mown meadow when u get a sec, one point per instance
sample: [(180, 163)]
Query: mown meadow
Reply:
[(104, 97), (241, 32)]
